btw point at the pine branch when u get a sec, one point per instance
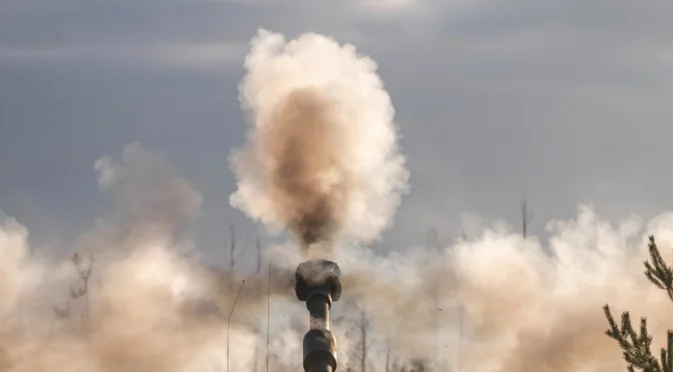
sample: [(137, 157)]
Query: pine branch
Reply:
[(636, 346), (658, 272)]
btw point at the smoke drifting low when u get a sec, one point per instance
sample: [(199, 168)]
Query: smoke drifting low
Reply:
[(499, 302), (139, 298), (322, 159), (322, 155)]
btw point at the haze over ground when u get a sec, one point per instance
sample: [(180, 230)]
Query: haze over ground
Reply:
[(567, 104), (568, 101)]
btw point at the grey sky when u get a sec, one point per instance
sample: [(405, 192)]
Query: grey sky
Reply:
[(569, 100)]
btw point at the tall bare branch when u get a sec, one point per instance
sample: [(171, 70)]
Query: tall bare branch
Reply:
[(526, 217)]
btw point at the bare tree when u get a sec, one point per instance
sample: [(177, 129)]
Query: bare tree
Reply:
[(433, 239), (418, 365), (258, 244), (231, 313), (388, 351), (363, 327), (526, 217), (84, 273), (461, 323), (463, 234), (435, 246), (62, 313), (234, 253), (268, 317), (258, 359), (232, 247), (357, 327)]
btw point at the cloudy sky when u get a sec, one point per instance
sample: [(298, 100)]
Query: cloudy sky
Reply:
[(568, 101)]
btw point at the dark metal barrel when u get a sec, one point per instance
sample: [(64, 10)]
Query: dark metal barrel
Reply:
[(318, 284)]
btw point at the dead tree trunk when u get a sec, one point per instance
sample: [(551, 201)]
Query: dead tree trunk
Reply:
[(526, 217), (388, 356), (363, 339), (232, 247), (84, 274), (259, 255)]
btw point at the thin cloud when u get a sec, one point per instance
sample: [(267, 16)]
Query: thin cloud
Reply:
[(176, 55)]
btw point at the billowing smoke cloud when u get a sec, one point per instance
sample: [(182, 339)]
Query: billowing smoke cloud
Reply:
[(322, 159), (152, 202), (494, 302), (322, 155), (138, 299), (498, 302)]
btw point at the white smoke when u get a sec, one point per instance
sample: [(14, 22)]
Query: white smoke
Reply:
[(322, 155), (494, 301), (149, 304), (499, 302), (152, 200), (17, 275)]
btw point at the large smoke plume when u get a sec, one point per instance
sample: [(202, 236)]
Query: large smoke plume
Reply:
[(493, 301), (322, 156)]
